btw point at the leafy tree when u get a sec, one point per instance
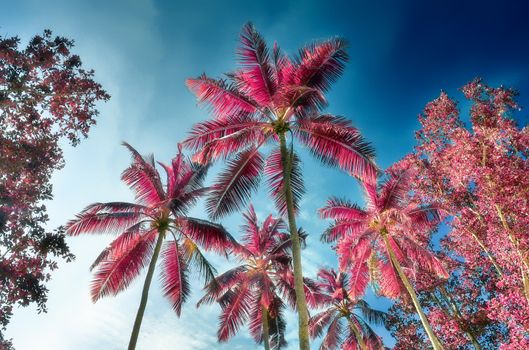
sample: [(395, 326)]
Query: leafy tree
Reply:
[(477, 174), (268, 98), (456, 310), (254, 291), (339, 308), (159, 214), (45, 97), (378, 243)]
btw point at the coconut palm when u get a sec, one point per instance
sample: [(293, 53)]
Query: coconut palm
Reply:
[(160, 213), (378, 244), (254, 291), (339, 308), (269, 98)]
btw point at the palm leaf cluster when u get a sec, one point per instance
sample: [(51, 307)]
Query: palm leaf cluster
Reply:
[(261, 285)]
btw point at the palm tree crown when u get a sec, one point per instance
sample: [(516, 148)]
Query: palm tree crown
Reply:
[(255, 290), (340, 308), (377, 244), (269, 96), (159, 213), (360, 234)]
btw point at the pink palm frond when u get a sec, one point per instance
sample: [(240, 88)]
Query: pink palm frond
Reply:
[(235, 310), (423, 217), (321, 64), (394, 190), (426, 259), (371, 195), (225, 147), (224, 98), (342, 229), (121, 242), (255, 324), (320, 321), (274, 174), (210, 130), (337, 143), (250, 229), (143, 178), (235, 184), (342, 209), (174, 276), (257, 74), (333, 337), (359, 276), (207, 234), (223, 283), (92, 221), (115, 273), (389, 282)]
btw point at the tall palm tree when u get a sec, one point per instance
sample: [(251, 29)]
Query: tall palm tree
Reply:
[(160, 213), (340, 308), (254, 291), (377, 243), (268, 98)]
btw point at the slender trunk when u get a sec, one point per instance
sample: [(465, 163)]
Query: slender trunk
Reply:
[(357, 333), (459, 317), (514, 241), (303, 314), (145, 293), (489, 255), (266, 329), (429, 331)]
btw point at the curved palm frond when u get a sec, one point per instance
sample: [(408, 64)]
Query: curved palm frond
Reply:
[(174, 275), (321, 64), (235, 184), (342, 209), (143, 178), (116, 272), (274, 176), (207, 234), (224, 98), (235, 310), (256, 77), (91, 220), (337, 143)]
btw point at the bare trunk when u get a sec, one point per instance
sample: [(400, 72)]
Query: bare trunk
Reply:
[(524, 268), (429, 331), (266, 329), (303, 315), (459, 317), (145, 293), (489, 255)]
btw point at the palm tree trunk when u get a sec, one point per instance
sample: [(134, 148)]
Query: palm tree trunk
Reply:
[(303, 314), (145, 293), (459, 317), (429, 331), (357, 333), (266, 329)]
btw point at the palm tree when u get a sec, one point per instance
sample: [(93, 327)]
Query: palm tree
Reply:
[(269, 97), (159, 213), (377, 243), (254, 291), (339, 307)]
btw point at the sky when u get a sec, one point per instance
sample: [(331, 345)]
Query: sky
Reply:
[(402, 54)]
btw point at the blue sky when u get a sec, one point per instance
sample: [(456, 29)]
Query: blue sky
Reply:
[(402, 54)]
